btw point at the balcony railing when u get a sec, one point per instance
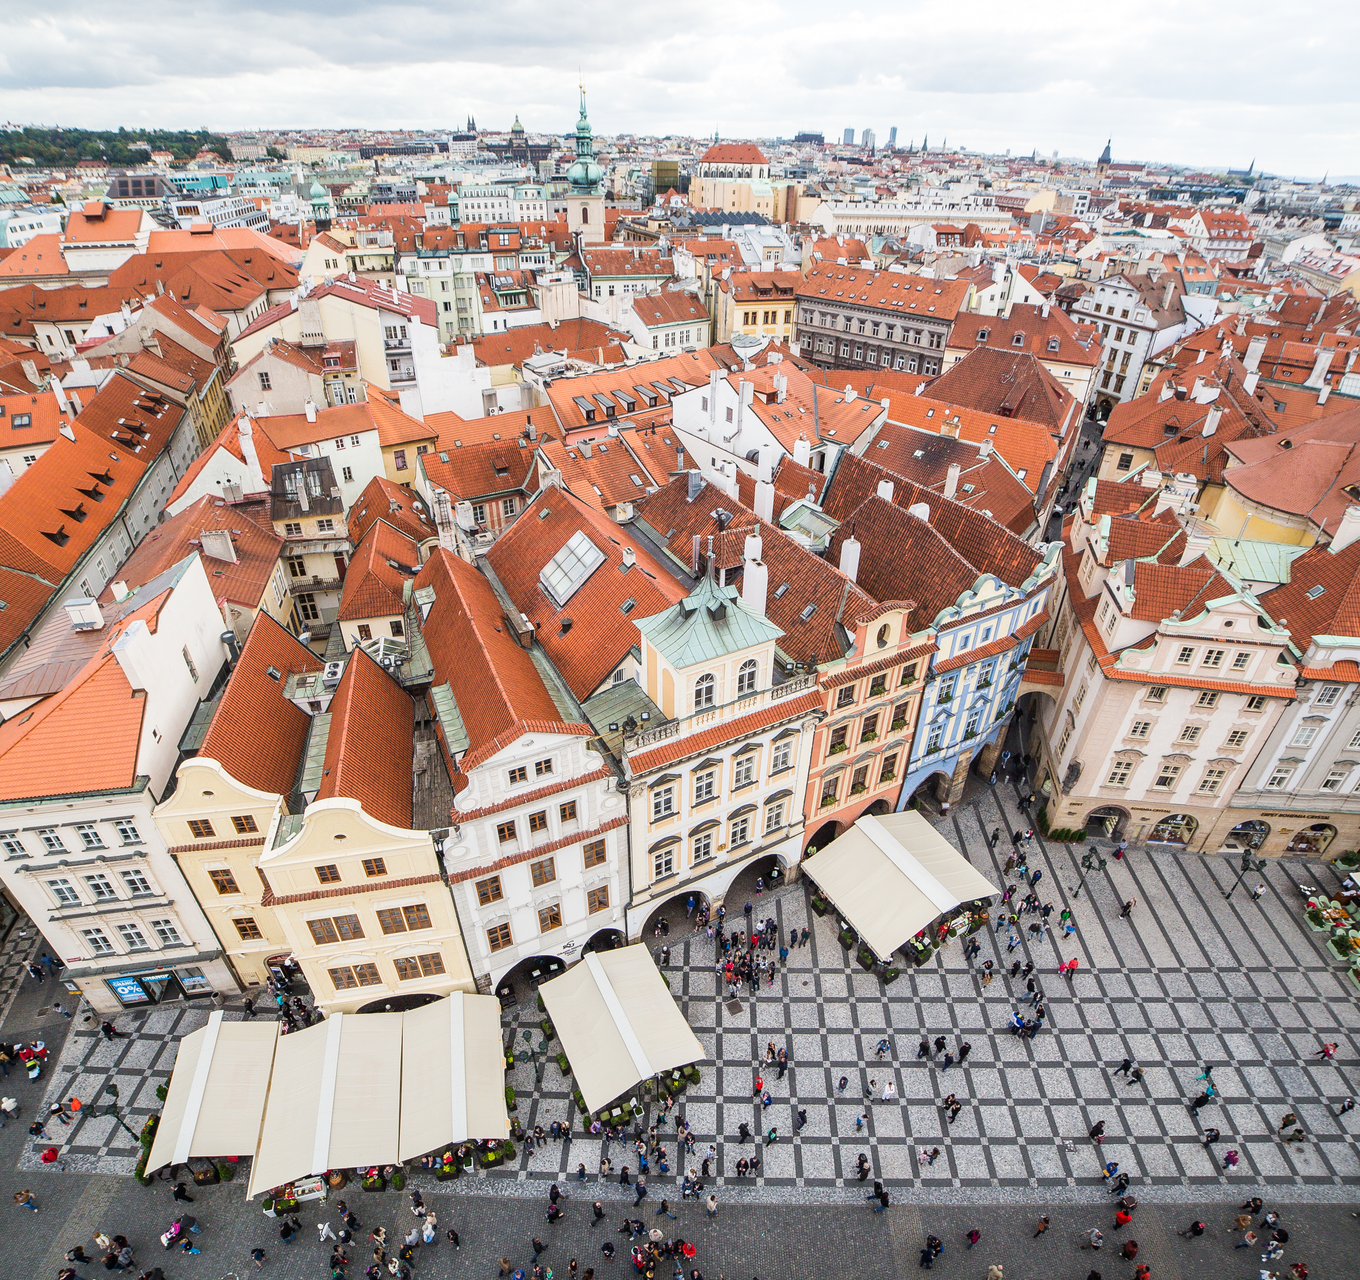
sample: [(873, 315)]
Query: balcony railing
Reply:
[(709, 716)]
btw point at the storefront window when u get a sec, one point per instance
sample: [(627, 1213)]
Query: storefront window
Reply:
[(194, 982)]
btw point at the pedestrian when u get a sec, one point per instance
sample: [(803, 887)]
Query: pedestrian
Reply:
[(1128, 906), (323, 1229), (59, 1111), (1123, 1068), (25, 1199), (890, 1090), (994, 1271), (1257, 892), (57, 1007), (948, 1062), (1248, 1241), (1041, 1227), (772, 1136), (1327, 1052), (1097, 1131), (1230, 1159), (711, 1205), (973, 1237), (181, 1194), (922, 1051), (1194, 1229), (1288, 1119), (1211, 1135), (257, 1256), (1347, 1105), (664, 1207), (987, 976), (802, 1120), (641, 1189)]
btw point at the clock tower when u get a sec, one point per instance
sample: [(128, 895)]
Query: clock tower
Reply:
[(585, 195)]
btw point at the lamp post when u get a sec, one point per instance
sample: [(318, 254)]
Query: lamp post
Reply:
[(111, 1109), (1090, 861), (1248, 864)]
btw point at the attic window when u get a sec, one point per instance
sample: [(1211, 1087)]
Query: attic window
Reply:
[(783, 587), (882, 444), (1314, 592), (61, 537), (628, 605), (808, 612), (545, 513), (919, 453), (968, 488), (273, 673), (563, 575)]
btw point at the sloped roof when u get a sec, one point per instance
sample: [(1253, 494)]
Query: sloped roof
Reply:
[(85, 738), (600, 633), (256, 734), (1011, 384), (256, 544), (983, 542), (377, 576), (478, 470), (371, 742), (733, 153), (384, 499), (708, 624), (1160, 590), (904, 296), (1322, 596), (517, 345), (493, 680)]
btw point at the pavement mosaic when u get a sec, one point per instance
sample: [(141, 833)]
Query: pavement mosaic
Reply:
[(1187, 979)]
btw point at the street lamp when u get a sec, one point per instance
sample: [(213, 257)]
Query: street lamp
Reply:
[(1090, 861), (112, 1110), (1248, 864)]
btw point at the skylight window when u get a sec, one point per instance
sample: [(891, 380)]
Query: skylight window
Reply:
[(808, 612), (1314, 592), (563, 575)]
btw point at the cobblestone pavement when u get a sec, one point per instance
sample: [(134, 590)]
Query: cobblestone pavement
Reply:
[(1188, 979)]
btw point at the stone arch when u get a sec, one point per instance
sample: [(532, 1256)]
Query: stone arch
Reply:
[(1312, 840), (1174, 828), (1107, 822), (1251, 834), (525, 975), (824, 835)]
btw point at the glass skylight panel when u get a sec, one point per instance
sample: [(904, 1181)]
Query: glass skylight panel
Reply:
[(563, 575)]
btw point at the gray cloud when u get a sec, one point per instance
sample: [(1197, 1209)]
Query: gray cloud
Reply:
[(1194, 82)]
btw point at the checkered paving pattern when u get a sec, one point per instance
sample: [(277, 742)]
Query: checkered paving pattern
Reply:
[(1188, 979), (95, 1142)]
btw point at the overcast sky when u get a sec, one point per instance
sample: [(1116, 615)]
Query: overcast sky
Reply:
[(1191, 82)]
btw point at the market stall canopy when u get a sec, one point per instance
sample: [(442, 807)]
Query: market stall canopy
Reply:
[(618, 1023), (892, 876), (216, 1098), (334, 1099), (452, 1074)]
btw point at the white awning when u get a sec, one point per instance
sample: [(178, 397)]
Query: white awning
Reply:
[(618, 1023), (338, 1093), (215, 1101), (892, 876), (452, 1074)]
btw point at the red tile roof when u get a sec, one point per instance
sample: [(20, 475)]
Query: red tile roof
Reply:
[(1027, 328), (1008, 384), (371, 742), (382, 564), (256, 734), (256, 544), (900, 295), (1322, 596), (517, 345), (383, 499), (478, 471), (733, 153), (600, 634), (494, 681)]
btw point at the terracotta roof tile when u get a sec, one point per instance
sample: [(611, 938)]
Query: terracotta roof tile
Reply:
[(898, 295), (371, 742), (601, 634), (381, 566), (494, 681), (477, 471), (1008, 384), (1322, 596), (530, 797), (256, 545), (383, 499), (256, 734)]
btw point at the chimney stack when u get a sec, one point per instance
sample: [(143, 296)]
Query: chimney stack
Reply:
[(802, 450), (755, 577), (850, 556), (1251, 362), (951, 480), (1250, 381), (765, 501), (985, 448), (885, 490), (1211, 420), (1348, 530), (310, 410)]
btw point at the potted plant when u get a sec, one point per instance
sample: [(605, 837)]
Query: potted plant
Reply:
[(507, 1150), (847, 938), (1315, 920), (563, 1065), (267, 1207), (510, 1103), (140, 1171), (859, 789), (865, 958), (547, 1028), (820, 904), (837, 748), (397, 1181), (492, 1157), (1349, 859), (891, 974), (374, 1182), (225, 1172)]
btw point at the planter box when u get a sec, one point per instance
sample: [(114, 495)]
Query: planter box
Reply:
[(491, 1158), (820, 905), (847, 939), (449, 1172), (918, 958), (891, 975), (375, 1184), (547, 1028), (563, 1065), (1354, 976), (865, 959)]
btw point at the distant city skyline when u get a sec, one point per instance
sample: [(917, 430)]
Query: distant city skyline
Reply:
[(1278, 92)]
